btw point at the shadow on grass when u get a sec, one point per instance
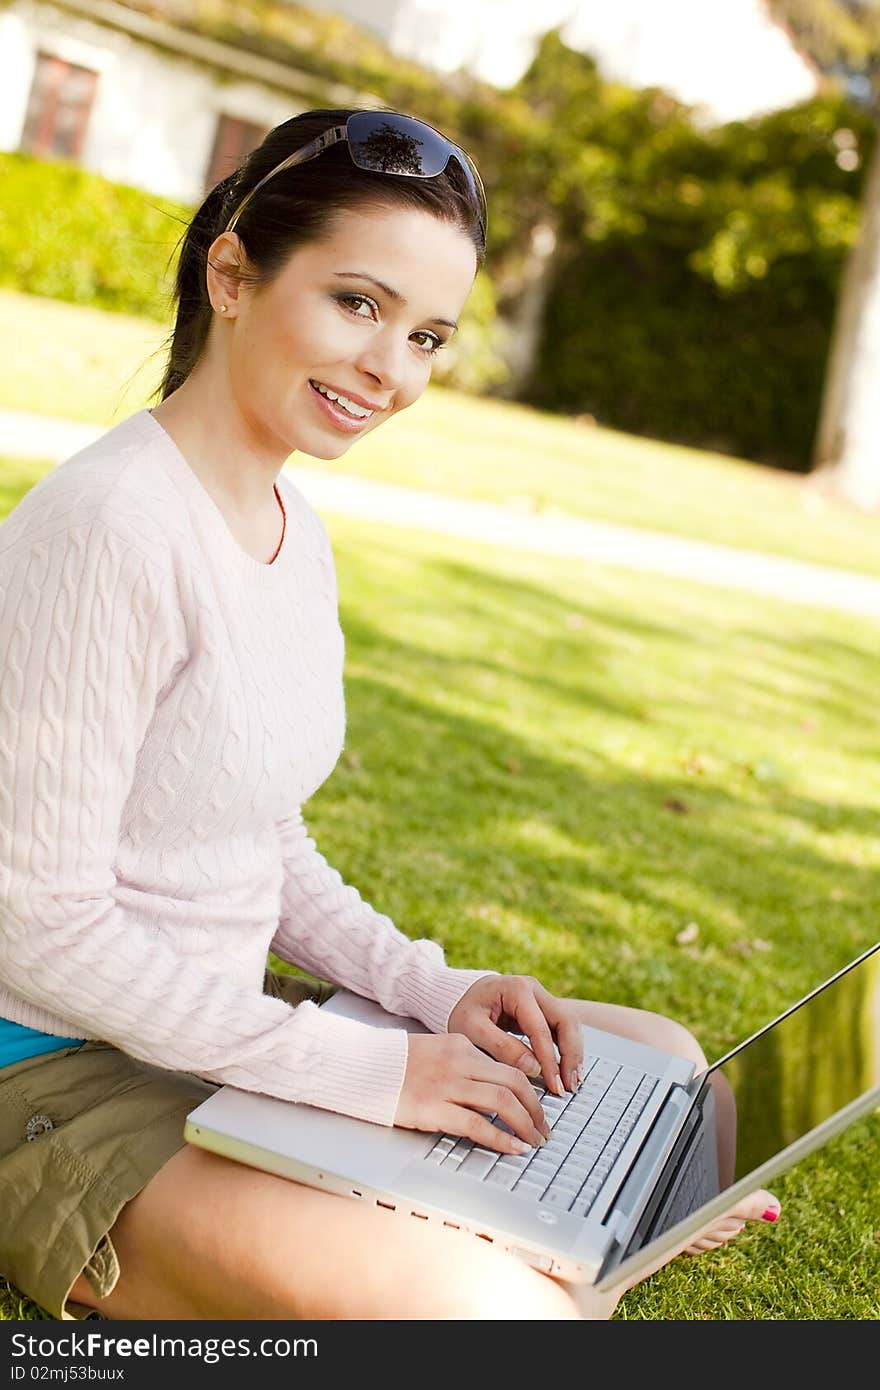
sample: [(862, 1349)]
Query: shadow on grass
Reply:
[(486, 825), (512, 855)]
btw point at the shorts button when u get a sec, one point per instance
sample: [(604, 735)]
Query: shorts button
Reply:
[(37, 1125)]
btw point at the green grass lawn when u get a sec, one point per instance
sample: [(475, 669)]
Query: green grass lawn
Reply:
[(79, 363), (555, 768)]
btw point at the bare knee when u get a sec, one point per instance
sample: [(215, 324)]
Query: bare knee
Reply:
[(673, 1037), (286, 1251), (477, 1281), (643, 1026)]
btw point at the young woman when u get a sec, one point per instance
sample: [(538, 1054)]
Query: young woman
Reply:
[(171, 695)]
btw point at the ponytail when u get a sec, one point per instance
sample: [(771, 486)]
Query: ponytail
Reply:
[(190, 289)]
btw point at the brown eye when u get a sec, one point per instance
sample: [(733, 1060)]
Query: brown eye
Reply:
[(358, 300), (434, 343)]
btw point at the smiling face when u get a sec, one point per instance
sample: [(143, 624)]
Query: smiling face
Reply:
[(360, 314)]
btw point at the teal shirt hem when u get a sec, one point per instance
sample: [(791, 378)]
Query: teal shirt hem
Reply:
[(18, 1042)]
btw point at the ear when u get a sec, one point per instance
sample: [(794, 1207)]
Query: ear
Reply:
[(226, 260)]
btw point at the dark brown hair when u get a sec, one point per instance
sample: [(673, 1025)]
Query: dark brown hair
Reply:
[(295, 207)]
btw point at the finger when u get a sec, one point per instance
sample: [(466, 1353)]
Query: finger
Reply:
[(570, 1043), (525, 1094), (530, 1020), (505, 1078), (467, 1121), (500, 1100), (505, 1047)]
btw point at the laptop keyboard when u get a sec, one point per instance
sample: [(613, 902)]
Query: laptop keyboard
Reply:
[(693, 1190), (588, 1131)]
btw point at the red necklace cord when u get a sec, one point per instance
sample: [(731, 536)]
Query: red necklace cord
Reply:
[(283, 525)]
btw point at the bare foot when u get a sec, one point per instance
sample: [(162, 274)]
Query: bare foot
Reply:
[(759, 1206)]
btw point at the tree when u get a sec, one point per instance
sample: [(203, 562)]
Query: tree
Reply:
[(843, 38)]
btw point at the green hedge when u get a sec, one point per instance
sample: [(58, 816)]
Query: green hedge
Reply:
[(694, 283), (694, 288), (69, 234), (72, 235), (633, 337)]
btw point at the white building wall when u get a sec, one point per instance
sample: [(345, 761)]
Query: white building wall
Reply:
[(155, 115), (16, 72)]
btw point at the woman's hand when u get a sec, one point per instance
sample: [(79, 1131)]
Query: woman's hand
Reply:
[(450, 1085), (497, 1005)]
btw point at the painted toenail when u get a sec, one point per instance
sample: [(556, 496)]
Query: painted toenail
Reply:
[(770, 1214)]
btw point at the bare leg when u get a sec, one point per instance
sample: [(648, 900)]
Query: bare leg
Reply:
[(282, 1250), (211, 1238)]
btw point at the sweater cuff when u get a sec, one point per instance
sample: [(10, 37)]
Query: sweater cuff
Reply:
[(432, 992), (355, 1069)]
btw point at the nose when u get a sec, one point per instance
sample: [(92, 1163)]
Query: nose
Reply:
[(387, 361)]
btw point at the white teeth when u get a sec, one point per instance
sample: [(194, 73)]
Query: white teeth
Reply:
[(358, 411)]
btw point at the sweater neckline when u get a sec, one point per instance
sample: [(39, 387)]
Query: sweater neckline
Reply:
[(255, 571)]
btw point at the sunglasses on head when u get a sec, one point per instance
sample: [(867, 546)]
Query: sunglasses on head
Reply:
[(385, 142)]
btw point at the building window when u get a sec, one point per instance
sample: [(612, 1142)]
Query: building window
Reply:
[(233, 141), (58, 108)]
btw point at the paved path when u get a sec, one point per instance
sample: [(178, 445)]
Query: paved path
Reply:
[(489, 523)]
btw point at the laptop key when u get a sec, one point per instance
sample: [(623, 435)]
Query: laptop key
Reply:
[(530, 1187), (568, 1182), (478, 1163), (502, 1175), (444, 1146), (586, 1198), (567, 1129), (557, 1197), (452, 1160)]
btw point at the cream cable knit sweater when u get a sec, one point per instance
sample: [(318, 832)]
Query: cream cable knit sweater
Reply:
[(167, 704)]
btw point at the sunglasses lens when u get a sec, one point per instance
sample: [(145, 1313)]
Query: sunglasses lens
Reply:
[(393, 144)]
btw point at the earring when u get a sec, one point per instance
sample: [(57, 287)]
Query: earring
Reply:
[(222, 308)]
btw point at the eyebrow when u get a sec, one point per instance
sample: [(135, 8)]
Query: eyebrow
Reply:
[(386, 289)]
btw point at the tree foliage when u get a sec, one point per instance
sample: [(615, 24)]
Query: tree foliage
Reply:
[(842, 37), (696, 279), (693, 274)]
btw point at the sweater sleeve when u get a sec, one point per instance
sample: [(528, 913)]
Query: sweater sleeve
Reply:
[(328, 929), (91, 633)]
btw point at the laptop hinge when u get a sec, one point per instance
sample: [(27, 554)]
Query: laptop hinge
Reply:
[(647, 1173), (641, 1229)]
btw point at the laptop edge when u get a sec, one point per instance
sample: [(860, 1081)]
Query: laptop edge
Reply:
[(860, 1106)]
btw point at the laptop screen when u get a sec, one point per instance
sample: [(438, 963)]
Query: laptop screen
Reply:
[(780, 1087), (812, 1062)]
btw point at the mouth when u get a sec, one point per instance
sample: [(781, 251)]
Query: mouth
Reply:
[(347, 412)]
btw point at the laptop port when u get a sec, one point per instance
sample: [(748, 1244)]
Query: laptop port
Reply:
[(420, 1214), (389, 1206), (453, 1225)]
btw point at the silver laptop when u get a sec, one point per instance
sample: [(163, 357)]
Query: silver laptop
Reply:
[(632, 1166)]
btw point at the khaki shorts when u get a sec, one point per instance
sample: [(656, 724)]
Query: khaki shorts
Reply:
[(103, 1124)]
